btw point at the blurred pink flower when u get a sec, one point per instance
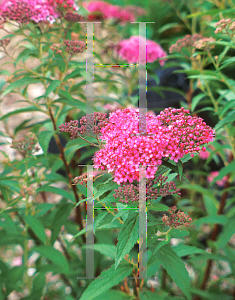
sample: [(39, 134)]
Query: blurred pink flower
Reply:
[(109, 11), (129, 50), (214, 174), (17, 261), (204, 154)]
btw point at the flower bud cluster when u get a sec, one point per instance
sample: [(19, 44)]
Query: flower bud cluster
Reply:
[(25, 11), (72, 17), (20, 11), (26, 145), (203, 43), (74, 47), (100, 120), (171, 134), (56, 47), (4, 42), (186, 42), (82, 179), (130, 192), (223, 25), (27, 191), (176, 219)]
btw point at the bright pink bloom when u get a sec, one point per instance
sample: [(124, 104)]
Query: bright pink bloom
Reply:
[(109, 11), (214, 174), (129, 50), (171, 134)]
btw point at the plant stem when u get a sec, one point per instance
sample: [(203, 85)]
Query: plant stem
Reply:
[(215, 233), (73, 187)]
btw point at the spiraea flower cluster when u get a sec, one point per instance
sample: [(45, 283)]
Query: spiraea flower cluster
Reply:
[(74, 47), (25, 11), (100, 120), (154, 189), (176, 218), (224, 25), (187, 42), (100, 10), (26, 145), (129, 50), (171, 134)]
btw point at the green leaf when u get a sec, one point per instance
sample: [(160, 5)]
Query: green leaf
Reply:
[(19, 111), (158, 207), (183, 250), (226, 234), (173, 167), (37, 227), (44, 138), (196, 100), (52, 87), (104, 187), (66, 98), (214, 219), (19, 83), (106, 281), (58, 191), (162, 243), (207, 295), (53, 255), (180, 168), (114, 295), (175, 268), (127, 238), (230, 168), (199, 189), (105, 249), (38, 285)]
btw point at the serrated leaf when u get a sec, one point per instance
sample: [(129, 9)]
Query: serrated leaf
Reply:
[(106, 281), (175, 268), (127, 238), (36, 225), (104, 187), (53, 255)]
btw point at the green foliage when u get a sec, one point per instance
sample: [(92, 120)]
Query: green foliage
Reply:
[(42, 213)]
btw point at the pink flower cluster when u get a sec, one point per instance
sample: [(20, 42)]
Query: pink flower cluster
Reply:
[(24, 11), (129, 50), (104, 10), (214, 174), (171, 134)]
